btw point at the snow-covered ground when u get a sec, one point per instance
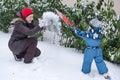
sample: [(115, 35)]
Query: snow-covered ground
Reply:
[(55, 63)]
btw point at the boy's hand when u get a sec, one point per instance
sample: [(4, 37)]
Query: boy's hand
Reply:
[(77, 31), (73, 27)]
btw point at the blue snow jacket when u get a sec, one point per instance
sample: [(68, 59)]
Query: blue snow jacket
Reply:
[(91, 36)]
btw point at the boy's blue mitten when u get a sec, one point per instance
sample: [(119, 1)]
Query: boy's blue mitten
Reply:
[(76, 30)]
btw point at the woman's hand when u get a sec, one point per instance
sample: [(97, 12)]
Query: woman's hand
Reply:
[(41, 23)]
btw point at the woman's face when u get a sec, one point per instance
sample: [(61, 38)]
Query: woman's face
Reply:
[(29, 18)]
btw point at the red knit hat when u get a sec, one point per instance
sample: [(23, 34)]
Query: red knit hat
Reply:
[(26, 12)]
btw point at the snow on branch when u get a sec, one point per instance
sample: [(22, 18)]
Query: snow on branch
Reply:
[(51, 21)]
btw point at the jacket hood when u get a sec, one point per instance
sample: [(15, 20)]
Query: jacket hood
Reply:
[(18, 17)]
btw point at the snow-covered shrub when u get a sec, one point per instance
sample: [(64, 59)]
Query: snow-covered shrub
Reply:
[(111, 39), (8, 8)]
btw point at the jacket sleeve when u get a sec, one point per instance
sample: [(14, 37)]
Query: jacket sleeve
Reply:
[(23, 29), (79, 33), (88, 34)]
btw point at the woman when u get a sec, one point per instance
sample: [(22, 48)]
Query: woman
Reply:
[(21, 43)]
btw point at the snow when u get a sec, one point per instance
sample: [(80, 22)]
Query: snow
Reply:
[(55, 63), (51, 21)]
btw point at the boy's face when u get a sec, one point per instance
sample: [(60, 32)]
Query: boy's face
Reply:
[(29, 18)]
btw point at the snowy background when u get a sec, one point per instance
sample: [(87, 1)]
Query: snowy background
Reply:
[(55, 63)]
